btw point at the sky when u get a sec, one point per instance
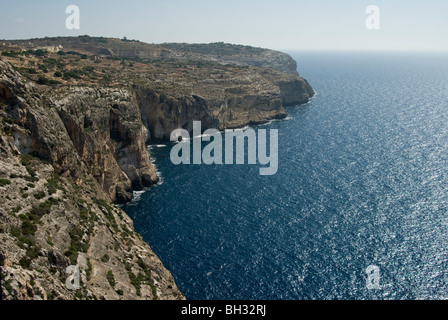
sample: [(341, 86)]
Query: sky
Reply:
[(283, 24)]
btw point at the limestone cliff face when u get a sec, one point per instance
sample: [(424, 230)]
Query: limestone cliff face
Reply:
[(74, 129), (162, 114), (62, 161), (253, 97), (107, 132), (295, 91)]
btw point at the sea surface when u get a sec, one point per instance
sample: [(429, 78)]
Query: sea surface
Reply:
[(362, 181)]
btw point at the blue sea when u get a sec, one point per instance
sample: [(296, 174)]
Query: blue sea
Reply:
[(362, 181)]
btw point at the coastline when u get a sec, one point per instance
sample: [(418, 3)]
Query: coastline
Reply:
[(74, 146)]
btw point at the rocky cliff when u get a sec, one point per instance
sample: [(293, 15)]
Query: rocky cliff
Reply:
[(62, 161), (74, 128)]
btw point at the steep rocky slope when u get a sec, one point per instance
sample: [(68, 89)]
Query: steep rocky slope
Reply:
[(76, 115), (60, 167)]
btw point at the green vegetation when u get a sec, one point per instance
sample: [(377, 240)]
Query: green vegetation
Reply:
[(52, 295), (31, 179), (6, 285), (76, 244), (141, 278), (73, 53), (45, 81), (26, 160), (50, 240), (50, 61), (8, 120), (37, 212), (111, 278), (28, 228), (25, 235), (39, 195), (89, 269), (75, 74), (15, 210), (53, 184), (43, 68), (88, 69), (108, 212), (4, 182), (10, 54), (13, 54), (87, 216), (38, 52)]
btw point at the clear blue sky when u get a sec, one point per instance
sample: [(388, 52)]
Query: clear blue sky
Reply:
[(281, 24)]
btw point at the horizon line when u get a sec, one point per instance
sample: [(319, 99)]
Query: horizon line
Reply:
[(404, 50)]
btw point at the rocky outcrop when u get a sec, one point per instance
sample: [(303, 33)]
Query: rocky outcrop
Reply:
[(295, 91)]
